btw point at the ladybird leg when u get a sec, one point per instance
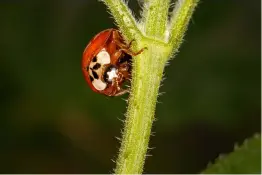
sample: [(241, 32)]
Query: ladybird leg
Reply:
[(129, 52), (118, 40), (126, 48), (119, 91), (115, 56), (130, 43), (117, 80), (123, 45), (122, 92)]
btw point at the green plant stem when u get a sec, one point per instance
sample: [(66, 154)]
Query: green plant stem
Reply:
[(141, 109), (155, 17), (147, 71), (124, 19), (179, 21)]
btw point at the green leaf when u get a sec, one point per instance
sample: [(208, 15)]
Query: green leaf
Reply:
[(245, 159)]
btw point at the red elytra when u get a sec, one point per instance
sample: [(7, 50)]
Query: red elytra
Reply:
[(106, 63)]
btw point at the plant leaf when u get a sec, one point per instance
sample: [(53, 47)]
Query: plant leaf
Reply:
[(245, 159)]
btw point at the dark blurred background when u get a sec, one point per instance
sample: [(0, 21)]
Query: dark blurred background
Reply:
[(51, 122)]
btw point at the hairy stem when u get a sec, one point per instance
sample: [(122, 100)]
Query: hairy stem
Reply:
[(124, 19), (179, 21), (147, 70), (155, 17), (141, 109)]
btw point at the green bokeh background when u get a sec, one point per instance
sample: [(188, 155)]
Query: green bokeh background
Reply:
[(51, 122)]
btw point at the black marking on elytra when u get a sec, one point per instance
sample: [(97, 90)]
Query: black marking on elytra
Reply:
[(94, 59), (91, 78), (95, 74), (96, 66), (87, 68)]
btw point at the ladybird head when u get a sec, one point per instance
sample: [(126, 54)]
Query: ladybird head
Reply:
[(110, 73)]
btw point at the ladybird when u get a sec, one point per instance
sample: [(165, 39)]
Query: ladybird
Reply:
[(107, 63)]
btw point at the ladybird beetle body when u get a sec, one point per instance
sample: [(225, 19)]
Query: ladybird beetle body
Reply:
[(106, 63)]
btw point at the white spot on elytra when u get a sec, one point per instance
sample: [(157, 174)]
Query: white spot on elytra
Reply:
[(103, 57), (99, 84)]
